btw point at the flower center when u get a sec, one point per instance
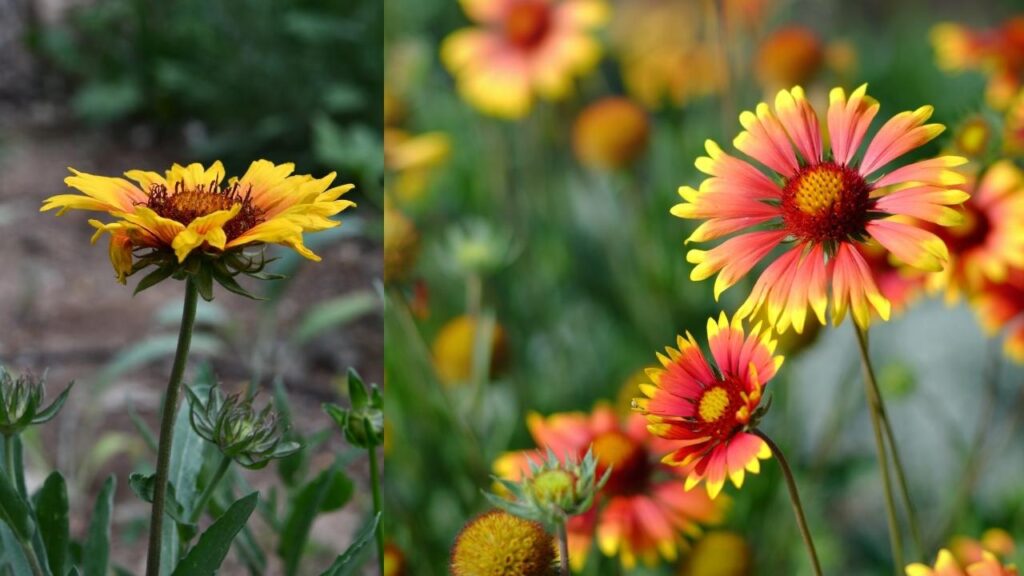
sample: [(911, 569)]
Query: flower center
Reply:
[(713, 404), (627, 459), (527, 23), (554, 486), (826, 202), (186, 204)]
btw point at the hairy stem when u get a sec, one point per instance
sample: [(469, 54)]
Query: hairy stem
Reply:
[(163, 462)]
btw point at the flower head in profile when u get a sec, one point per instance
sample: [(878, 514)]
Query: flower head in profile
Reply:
[(497, 543), (521, 50), (710, 410), (190, 222), (821, 204), (947, 565), (999, 52), (989, 240), (642, 512)]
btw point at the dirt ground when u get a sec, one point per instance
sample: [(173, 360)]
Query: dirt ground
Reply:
[(61, 309)]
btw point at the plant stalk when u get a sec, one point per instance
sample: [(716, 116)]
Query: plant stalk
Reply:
[(794, 498), (204, 498), (371, 450), (874, 409), (170, 410), (563, 548)]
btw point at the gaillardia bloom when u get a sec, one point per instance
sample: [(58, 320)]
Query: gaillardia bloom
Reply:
[(999, 52), (946, 565), (822, 205), (522, 49), (989, 241), (709, 410), (1000, 307), (642, 511), (497, 543), (163, 220)]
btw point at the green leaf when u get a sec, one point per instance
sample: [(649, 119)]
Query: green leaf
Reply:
[(231, 285), (346, 563), (301, 513), (213, 546), (96, 555), (153, 278), (52, 514), (339, 492), (334, 313), (357, 391), (203, 279), (15, 510), (337, 413), (50, 411)]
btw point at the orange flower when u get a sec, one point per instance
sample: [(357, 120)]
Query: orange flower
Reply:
[(946, 565), (642, 512), (710, 411), (789, 56), (522, 49), (610, 133), (990, 239), (822, 206), (999, 52)]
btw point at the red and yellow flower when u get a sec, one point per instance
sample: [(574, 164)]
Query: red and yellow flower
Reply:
[(189, 209), (709, 411), (946, 565), (642, 512), (1000, 307), (522, 49), (989, 240), (821, 205), (999, 52)]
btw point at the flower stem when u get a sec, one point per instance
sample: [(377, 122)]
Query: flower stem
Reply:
[(563, 548), (10, 456), (875, 409), (33, 561), (794, 498), (204, 498), (163, 462), (9, 463), (371, 450)]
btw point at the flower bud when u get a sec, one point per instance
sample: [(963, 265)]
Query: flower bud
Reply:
[(363, 423), (241, 433), (21, 402)]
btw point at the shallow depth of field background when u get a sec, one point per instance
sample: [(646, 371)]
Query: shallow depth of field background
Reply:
[(597, 282), (107, 86)]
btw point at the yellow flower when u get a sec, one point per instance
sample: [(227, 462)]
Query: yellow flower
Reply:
[(453, 349), (401, 245), (164, 219), (610, 133), (718, 553), (500, 544)]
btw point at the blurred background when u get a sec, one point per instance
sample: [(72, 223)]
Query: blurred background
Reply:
[(533, 266), (107, 86)]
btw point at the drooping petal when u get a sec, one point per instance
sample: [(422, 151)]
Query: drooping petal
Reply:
[(914, 246)]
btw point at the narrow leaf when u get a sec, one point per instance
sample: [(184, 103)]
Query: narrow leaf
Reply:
[(346, 563), (213, 546), (52, 515), (153, 278), (302, 512), (50, 411), (15, 510), (96, 556)]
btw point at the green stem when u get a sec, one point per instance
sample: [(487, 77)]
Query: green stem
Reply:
[(794, 498), (204, 498), (33, 561), (163, 462), (9, 463), (563, 548), (375, 487), (874, 408)]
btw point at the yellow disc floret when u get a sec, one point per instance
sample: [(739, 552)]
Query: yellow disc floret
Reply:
[(500, 544), (713, 404), (818, 190)]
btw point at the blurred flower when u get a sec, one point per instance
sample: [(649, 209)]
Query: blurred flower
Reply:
[(994, 541), (718, 553), (453, 350), (610, 133), (711, 410), (745, 14), (1013, 127), (522, 49), (643, 511), (989, 240), (477, 248), (394, 560), (841, 58), (410, 161), (998, 52), (165, 219), (789, 56), (946, 565), (972, 137), (663, 51), (554, 490), (1000, 307), (630, 389), (21, 402), (401, 245), (241, 433), (500, 544), (824, 208), (363, 422), (898, 284)]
